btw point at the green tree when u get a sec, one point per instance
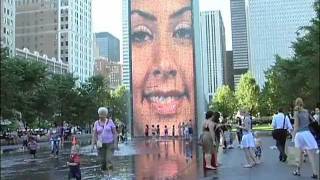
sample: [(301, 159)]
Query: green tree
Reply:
[(119, 103), (299, 76), (20, 81), (224, 101), (247, 93)]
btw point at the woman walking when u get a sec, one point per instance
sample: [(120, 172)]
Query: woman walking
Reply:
[(208, 140), (105, 137), (303, 139), (247, 141)]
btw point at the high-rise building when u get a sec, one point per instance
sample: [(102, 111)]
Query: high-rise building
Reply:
[(272, 26), (54, 66), (110, 70), (60, 29), (8, 14), (239, 39), (228, 70), (213, 51), (109, 46), (126, 77)]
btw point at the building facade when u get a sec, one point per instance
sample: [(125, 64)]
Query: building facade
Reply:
[(108, 45), (228, 67), (111, 70), (60, 29), (272, 26), (239, 38), (213, 51), (126, 77), (54, 66), (8, 14)]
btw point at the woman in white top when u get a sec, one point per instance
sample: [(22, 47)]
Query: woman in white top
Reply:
[(247, 141)]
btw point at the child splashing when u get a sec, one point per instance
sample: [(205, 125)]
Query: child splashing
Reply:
[(74, 162)]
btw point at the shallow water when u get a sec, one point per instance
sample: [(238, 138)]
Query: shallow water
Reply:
[(142, 159)]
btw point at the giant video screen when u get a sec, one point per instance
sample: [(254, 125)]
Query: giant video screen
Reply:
[(162, 65)]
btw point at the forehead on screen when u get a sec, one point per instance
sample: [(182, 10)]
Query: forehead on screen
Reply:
[(176, 8)]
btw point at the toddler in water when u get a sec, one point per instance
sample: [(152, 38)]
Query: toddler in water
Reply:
[(166, 131), (74, 162), (33, 146), (258, 149)]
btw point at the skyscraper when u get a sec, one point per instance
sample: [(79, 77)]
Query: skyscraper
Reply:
[(110, 70), (8, 14), (272, 26), (228, 70), (109, 46), (213, 51), (239, 39), (60, 29), (125, 44)]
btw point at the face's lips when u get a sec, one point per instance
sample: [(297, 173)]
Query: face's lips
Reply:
[(166, 103)]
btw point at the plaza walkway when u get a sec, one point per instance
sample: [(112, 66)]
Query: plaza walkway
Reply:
[(151, 160)]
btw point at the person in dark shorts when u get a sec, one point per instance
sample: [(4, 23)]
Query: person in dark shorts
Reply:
[(146, 131), (158, 131), (33, 146), (190, 130)]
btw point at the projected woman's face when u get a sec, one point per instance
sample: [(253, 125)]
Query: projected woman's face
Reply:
[(162, 63)]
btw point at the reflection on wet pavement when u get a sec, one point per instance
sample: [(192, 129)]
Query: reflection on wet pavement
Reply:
[(139, 159)]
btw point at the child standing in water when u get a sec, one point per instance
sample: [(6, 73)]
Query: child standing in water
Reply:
[(166, 131), (33, 146), (74, 162)]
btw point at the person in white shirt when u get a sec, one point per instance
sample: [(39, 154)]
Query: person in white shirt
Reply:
[(281, 124)]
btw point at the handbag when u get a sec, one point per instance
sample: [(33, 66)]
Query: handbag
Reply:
[(314, 127), (293, 156), (200, 140), (278, 134), (99, 144)]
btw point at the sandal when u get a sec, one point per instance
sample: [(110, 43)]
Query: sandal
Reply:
[(248, 166), (211, 168), (296, 173)]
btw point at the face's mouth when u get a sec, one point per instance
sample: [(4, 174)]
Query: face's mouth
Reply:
[(165, 103)]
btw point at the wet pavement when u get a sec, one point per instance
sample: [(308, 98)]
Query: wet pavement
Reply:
[(149, 160)]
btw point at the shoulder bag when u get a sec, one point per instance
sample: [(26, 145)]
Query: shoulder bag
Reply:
[(99, 141)]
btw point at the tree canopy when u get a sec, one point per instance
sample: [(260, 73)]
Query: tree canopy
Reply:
[(224, 101), (30, 93), (297, 76)]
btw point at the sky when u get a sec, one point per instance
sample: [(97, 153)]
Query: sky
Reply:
[(107, 16)]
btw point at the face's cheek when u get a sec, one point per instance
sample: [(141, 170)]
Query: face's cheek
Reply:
[(185, 61), (142, 62)]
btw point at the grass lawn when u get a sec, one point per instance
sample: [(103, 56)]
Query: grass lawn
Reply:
[(260, 127)]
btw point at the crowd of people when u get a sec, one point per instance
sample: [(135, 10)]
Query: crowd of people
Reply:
[(304, 132), (184, 130)]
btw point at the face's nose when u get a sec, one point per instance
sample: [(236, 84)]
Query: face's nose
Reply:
[(164, 61)]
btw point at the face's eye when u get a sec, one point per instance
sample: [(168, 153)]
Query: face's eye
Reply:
[(183, 31), (141, 34)]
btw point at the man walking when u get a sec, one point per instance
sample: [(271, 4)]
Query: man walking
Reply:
[(281, 125)]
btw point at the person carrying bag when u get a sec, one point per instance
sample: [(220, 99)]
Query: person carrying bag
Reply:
[(105, 137), (281, 124)]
